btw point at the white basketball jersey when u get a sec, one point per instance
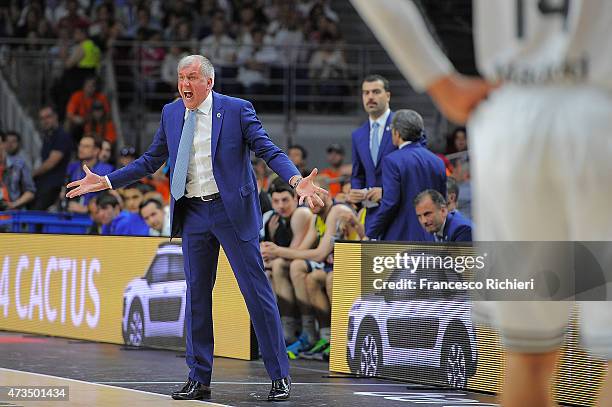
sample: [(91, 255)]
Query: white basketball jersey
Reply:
[(521, 41)]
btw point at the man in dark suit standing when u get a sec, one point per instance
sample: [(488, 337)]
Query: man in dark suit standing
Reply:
[(207, 138), (370, 143), (434, 216), (405, 173)]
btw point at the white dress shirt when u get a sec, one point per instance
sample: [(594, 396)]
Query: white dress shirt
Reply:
[(382, 121), (200, 179)]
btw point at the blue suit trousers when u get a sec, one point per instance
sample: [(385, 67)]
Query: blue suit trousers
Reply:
[(206, 226)]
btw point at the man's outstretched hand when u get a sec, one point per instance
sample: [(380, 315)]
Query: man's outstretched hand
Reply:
[(307, 190), (90, 183)]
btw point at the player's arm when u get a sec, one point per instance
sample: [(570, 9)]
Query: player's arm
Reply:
[(401, 29), (300, 222)]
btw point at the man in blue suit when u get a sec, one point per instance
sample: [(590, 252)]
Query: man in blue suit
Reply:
[(405, 173), (445, 226), (370, 143), (207, 138)]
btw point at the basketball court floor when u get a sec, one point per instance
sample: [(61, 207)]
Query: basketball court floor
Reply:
[(111, 375)]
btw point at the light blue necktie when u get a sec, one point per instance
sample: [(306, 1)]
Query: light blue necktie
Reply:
[(374, 141), (179, 177)]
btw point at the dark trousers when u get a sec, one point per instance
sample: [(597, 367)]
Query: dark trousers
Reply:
[(206, 226), (44, 198)]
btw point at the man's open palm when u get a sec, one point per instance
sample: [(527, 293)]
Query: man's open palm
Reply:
[(90, 183), (307, 190)]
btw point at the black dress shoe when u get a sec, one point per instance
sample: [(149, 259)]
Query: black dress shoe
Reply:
[(192, 390), (280, 389)]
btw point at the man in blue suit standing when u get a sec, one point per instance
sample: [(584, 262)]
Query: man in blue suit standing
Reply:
[(445, 226), (206, 138), (405, 173), (370, 143)]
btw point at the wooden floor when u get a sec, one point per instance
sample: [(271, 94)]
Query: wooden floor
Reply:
[(87, 394), (99, 374)]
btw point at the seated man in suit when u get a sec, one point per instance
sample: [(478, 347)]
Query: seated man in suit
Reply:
[(434, 216)]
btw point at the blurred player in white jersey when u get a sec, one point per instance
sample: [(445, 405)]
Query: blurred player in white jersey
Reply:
[(539, 125)]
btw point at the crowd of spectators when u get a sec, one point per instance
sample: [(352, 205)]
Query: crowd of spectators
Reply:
[(250, 42)]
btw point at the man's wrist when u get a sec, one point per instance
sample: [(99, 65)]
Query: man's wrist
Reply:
[(295, 181)]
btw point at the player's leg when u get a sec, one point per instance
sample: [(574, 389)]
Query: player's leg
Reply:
[(519, 195), (315, 286), (281, 283), (298, 270)]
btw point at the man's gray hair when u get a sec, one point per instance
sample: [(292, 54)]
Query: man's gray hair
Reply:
[(435, 196), (206, 67), (409, 124)]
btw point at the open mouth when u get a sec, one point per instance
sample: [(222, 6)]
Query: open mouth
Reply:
[(188, 94)]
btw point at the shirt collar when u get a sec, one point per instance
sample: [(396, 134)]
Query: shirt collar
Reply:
[(205, 107), (382, 120), (440, 233), (404, 144)]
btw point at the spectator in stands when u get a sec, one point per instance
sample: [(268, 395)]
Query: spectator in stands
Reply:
[(74, 17), (452, 193), (245, 25), (144, 23), (289, 38), (80, 106), (84, 60), (99, 124), (328, 70), (457, 141), (435, 218), (117, 222), (12, 143), (55, 156), (406, 172), (254, 63), (126, 156), (96, 224), (88, 150), (156, 216), (218, 47), (16, 185), (336, 173), (285, 226), (371, 143), (132, 195), (6, 21), (169, 72), (103, 19), (106, 153), (298, 154), (204, 18), (322, 232)]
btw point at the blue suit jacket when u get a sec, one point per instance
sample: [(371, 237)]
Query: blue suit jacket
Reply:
[(236, 131), (405, 173), (457, 228), (366, 173)]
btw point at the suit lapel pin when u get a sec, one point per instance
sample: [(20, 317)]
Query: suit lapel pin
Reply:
[(218, 115)]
